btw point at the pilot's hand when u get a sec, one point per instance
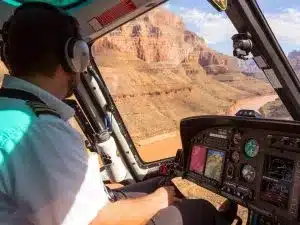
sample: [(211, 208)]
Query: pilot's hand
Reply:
[(166, 195)]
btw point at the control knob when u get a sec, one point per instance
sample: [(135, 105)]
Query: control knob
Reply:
[(230, 171), (286, 140), (237, 138), (247, 196), (271, 139), (235, 157), (226, 189)]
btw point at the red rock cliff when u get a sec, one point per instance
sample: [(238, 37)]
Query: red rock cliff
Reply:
[(160, 36)]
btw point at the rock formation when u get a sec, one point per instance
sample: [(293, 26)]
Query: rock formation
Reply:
[(160, 36), (294, 58), (276, 109)]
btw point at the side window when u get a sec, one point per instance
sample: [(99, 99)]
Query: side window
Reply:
[(175, 62)]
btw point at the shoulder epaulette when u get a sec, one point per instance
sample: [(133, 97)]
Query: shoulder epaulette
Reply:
[(40, 108)]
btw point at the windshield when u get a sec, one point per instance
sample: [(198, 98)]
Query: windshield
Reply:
[(175, 62), (284, 19)]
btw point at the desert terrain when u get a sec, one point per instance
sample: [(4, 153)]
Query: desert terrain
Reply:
[(275, 110)]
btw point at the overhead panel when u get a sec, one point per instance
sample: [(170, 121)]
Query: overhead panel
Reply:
[(96, 17), (110, 15), (100, 17)]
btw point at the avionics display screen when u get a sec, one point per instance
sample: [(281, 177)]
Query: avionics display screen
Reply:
[(198, 159), (277, 178), (214, 164)]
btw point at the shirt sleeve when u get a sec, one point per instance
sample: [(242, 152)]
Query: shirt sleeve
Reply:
[(55, 176)]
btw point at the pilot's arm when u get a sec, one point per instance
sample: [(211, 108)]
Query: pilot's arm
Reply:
[(136, 211)]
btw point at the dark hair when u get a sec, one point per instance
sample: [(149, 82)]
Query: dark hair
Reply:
[(36, 36)]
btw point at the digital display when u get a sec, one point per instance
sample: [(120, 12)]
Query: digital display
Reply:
[(278, 173), (275, 193), (214, 164), (279, 168), (198, 159)]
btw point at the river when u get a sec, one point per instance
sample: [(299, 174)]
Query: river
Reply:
[(167, 147), (254, 103)]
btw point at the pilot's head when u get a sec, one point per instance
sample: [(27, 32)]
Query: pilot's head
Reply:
[(43, 46)]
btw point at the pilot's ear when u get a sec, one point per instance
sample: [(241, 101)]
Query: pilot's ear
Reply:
[(4, 68), (60, 71)]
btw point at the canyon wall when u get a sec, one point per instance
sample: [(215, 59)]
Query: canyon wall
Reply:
[(160, 36), (159, 72)]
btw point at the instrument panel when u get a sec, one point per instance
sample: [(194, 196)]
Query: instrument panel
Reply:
[(254, 162)]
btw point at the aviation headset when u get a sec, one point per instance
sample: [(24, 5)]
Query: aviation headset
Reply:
[(75, 55)]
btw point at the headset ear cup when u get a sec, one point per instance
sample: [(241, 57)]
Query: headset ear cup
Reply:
[(66, 58), (76, 55)]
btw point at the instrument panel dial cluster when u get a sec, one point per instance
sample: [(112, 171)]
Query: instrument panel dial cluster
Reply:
[(254, 167)]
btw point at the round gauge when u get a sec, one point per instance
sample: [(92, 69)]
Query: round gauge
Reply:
[(236, 138), (251, 148), (248, 173), (235, 157)]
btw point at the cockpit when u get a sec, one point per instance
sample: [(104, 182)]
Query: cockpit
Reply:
[(203, 92)]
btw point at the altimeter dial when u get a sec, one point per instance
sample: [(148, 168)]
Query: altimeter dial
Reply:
[(248, 173)]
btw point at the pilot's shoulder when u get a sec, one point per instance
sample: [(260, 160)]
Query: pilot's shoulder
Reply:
[(19, 116), (40, 108)]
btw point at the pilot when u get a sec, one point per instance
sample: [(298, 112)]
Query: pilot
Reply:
[(46, 176)]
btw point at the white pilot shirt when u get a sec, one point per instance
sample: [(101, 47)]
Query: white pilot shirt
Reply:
[(45, 173)]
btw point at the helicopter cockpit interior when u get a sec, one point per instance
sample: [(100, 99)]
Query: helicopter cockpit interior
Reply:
[(251, 160)]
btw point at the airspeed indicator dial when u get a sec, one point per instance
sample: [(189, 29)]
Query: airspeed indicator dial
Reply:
[(237, 138), (251, 148)]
